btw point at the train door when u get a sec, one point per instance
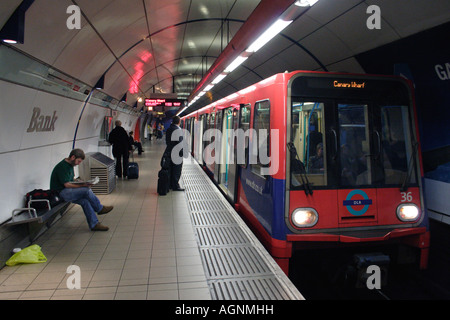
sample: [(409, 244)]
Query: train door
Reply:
[(209, 155), (233, 166), (199, 129), (191, 130), (227, 166), (218, 126), (359, 148)]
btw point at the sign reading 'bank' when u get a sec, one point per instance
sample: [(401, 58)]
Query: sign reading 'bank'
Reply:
[(42, 123)]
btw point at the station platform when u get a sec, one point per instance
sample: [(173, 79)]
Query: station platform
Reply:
[(188, 245)]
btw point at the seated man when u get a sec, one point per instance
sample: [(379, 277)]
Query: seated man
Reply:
[(135, 143), (62, 181)]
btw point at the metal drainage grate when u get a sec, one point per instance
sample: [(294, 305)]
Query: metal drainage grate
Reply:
[(221, 236), (261, 288), (212, 218), (235, 266), (233, 262)]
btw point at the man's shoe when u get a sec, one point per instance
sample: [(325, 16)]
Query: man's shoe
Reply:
[(179, 189), (105, 210), (100, 227)]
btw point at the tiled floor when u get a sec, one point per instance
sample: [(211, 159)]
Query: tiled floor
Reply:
[(149, 253)]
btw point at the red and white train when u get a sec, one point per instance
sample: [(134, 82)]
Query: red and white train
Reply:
[(345, 162)]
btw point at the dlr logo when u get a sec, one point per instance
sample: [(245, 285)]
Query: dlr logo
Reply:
[(374, 280)]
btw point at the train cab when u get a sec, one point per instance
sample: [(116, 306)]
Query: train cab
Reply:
[(313, 158)]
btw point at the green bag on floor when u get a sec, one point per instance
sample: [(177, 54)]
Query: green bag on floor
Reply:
[(31, 254)]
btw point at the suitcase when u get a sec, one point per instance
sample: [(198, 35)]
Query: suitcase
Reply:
[(133, 169), (163, 182)]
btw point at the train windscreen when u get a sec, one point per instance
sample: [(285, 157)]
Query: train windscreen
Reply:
[(348, 133)]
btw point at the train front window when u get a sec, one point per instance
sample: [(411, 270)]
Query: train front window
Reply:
[(354, 144), (396, 149), (307, 147), (346, 135)]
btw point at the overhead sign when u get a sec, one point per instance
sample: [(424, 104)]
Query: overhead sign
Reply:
[(164, 103)]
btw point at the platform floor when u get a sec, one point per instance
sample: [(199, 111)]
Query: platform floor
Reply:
[(156, 248)]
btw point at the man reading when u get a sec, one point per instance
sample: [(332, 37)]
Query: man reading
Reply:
[(62, 180)]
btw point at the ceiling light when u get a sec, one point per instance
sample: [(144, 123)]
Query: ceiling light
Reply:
[(13, 31), (191, 44), (305, 3), (100, 83), (236, 63), (219, 78), (268, 35)]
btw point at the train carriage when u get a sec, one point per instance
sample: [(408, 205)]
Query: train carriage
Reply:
[(313, 158)]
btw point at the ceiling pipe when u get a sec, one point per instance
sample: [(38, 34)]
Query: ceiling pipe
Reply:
[(265, 14)]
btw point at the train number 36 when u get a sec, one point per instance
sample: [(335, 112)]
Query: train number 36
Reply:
[(406, 196)]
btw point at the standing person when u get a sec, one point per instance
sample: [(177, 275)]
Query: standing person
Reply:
[(62, 181), (121, 148), (174, 169), (159, 132)]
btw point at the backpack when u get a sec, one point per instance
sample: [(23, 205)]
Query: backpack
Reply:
[(38, 194)]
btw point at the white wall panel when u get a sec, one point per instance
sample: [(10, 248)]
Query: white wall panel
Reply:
[(27, 158), (64, 113), (14, 105)]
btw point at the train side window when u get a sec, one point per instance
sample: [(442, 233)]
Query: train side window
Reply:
[(244, 124), (261, 126), (307, 138)]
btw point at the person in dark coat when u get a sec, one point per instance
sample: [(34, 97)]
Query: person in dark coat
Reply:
[(174, 169), (118, 137)]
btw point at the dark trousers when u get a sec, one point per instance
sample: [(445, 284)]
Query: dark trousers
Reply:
[(175, 175), (121, 164)]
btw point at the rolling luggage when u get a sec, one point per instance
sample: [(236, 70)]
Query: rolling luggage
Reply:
[(133, 169), (163, 182)]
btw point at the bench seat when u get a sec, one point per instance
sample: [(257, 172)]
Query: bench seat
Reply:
[(28, 215)]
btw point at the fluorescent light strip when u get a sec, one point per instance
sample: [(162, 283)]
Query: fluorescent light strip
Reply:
[(269, 34), (305, 3), (219, 78), (236, 63)]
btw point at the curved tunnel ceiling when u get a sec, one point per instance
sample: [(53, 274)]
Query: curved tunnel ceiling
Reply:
[(169, 46)]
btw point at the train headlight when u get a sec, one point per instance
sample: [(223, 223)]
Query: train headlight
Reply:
[(304, 217), (408, 212)]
